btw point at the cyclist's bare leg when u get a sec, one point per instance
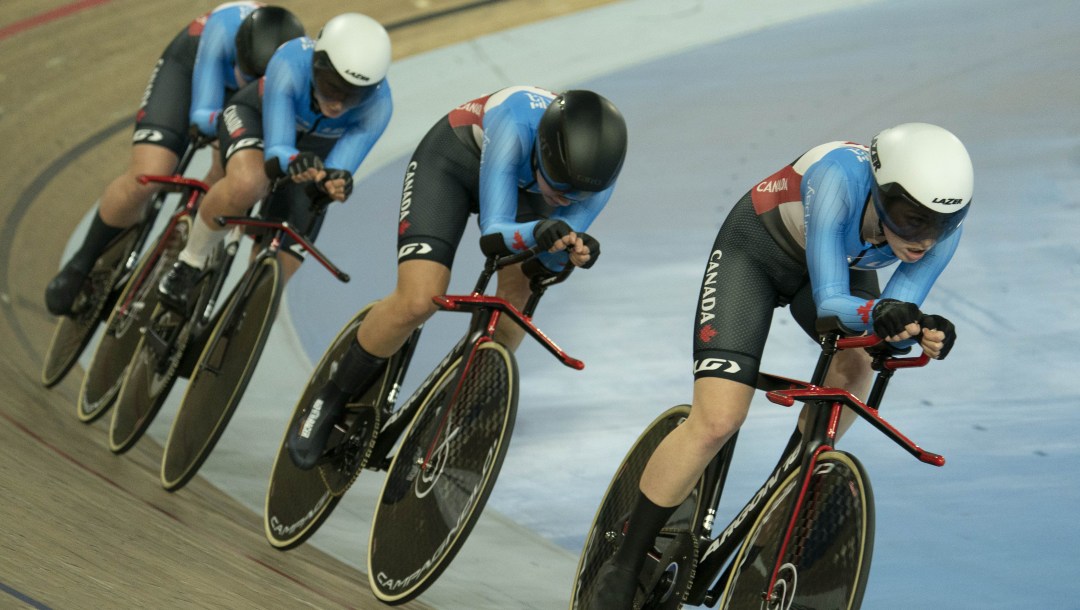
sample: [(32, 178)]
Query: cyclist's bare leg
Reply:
[(718, 409), (244, 183), (514, 287), (124, 198), (217, 170), (387, 325), (851, 371), (289, 266), (121, 206), (392, 319)]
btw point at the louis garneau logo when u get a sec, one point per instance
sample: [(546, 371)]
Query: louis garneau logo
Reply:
[(720, 365), (147, 135), (411, 249)]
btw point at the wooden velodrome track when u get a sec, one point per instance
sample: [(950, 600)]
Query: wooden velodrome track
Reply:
[(80, 527)]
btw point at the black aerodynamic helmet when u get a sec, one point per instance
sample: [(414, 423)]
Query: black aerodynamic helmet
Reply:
[(260, 34), (581, 142)]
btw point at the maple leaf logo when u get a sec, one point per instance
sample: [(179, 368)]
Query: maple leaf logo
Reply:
[(706, 333), (864, 311), (519, 242), (403, 226)]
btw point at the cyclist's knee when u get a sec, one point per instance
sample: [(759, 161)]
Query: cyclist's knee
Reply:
[(246, 187), (850, 366), (517, 297), (710, 427), (414, 307), (719, 409)]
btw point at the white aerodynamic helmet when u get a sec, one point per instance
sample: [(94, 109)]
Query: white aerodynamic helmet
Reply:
[(923, 180), (352, 56)]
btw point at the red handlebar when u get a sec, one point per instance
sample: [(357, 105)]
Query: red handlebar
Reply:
[(860, 341), (177, 182), (889, 363)]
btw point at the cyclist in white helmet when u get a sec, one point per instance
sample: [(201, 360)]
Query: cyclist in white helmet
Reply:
[(810, 236), (315, 116)]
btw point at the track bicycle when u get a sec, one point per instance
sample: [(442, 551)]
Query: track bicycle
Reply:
[(103, 287), (804, 539), (232, 350), (170, 341), (454, 431)]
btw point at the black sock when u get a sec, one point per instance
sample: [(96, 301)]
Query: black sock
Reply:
[(356, 369), (97, 238), (646, 521)]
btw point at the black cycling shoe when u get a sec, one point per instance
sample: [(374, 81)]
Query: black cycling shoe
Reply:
[(177, 284), (64, 289), (307, 439), (613, 589)]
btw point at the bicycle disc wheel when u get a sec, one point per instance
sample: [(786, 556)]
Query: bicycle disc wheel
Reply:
[(440, 479), (73, 333), (828, 558), (149, 378), (299, 501), (222, 374), (105, 373), (666, 582)]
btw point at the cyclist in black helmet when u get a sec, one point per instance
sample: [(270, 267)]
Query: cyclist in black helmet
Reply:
[(205, 63), (535, 166)]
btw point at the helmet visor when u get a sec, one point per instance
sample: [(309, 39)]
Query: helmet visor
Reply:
[(909, 219), (567, 191), (330, 86)]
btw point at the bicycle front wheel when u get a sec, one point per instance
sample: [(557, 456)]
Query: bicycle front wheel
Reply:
[(73, 333), (663, 584), (107, 367), (827, 560), (440, 479), (222, 374)]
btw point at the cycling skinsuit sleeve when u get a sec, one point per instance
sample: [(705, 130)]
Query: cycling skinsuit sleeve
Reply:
[(363, 132), (505, 163), (834, 192), (281, 86), (213, 72), (288, 107)]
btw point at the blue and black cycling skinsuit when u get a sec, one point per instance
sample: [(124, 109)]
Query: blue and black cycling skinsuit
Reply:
[(478, 160), (192, 79), (798, 238), (278, 115)]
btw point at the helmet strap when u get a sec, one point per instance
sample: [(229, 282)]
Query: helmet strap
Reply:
[(878, 227)]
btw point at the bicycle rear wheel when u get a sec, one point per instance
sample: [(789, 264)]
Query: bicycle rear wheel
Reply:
[(299, 501), (663, 583), (149, 378), (105, 373), (828, 558), (73, 333), (440, 479), (222, 374)]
